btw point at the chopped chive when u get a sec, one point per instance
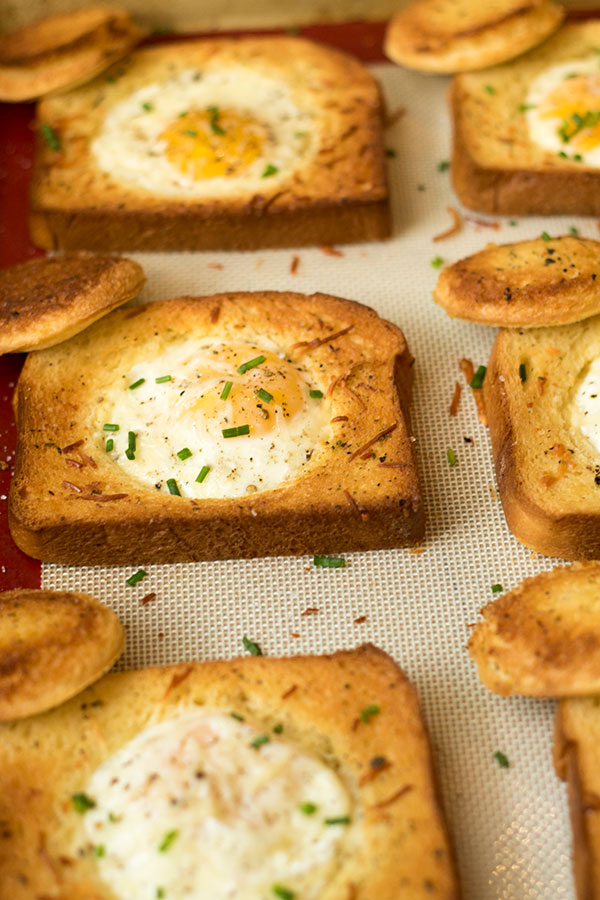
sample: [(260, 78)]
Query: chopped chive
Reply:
[(282, 892), (390, 152), (214, 120), (112, 817), (185, 453), (147, 107), (131, 445), (160, 893), (300, 134), (489, 88), (259, 740), (137, 576), (329, 562), (99, 850), (190, 132), (477, 379), (574, 231), (578, 157), (168, 840), (264, 395), (50, 136), (136, 384), (338, 820), (451, 456), (183, 114), (110, 427), (202, 474), (225, 392), (512, 223), (496, 588), (545, 236), (368, 712), (251, 364), (269, 170), (501, 759), (443, 166), (523, 372), (316, 395), (110, 445), (82, 802), (278, 729), (237, 716), (437, 262), (523, 107), (173, 487), (308, 808), (563, 155), (252, 647), (235, 432), (162, 379)]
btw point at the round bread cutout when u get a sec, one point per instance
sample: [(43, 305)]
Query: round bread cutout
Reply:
[(546, 281), (445, 36), (53, 644), (45, 301), (63, 50)]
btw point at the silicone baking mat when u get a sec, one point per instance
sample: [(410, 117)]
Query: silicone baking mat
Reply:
[(509, 825)]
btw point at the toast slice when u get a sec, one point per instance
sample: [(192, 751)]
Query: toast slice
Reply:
[(542, 639), (282, 756), (220, 427), (540, 399), (222, 143), (577, 761), (524, 133), (459, 35)]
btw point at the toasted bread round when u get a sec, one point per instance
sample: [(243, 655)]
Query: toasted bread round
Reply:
[(447, 36), (524, 285), (53, 644), (63, 50), (46, 301), (543, 638)]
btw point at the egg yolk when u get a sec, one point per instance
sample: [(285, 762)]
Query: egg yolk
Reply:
[(269, 389), (213, 143), (577, 104)]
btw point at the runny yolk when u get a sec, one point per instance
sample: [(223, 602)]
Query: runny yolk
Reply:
[(214, 142), (577, 104)]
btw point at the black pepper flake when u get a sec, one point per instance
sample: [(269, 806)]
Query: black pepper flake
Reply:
[(507, 294), (548, 261)]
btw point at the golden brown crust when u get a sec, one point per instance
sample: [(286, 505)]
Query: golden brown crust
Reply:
[(53, 644), (342, 501), (335, 195), (495, 166), (527, 284), (62, 50), (545, 468), (542, 639), (450, 36), (46, 301), (403, 841)]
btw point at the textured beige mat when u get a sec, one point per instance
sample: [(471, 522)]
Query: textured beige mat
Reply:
[(509, 825)]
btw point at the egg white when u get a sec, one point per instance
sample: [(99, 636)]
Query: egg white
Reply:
[(227, 811), (544, 131), (128, 146), (166, 419), (585, 409)]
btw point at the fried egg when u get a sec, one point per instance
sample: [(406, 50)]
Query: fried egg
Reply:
[(213, 417), (563, 110), (205, 134), (585, 410), (206, 805)]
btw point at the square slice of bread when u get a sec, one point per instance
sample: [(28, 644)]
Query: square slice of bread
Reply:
[(214, 144), (577, 761), (546, 466), (306, 450), (352, 719), (497, 166)]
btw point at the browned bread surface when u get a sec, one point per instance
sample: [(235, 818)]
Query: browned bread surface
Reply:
[(46, 301), (396, 836), (333, 190), (52, 645), (63, 50), (71, 502), (458, 35), (542, 639), (496, 168), (577, 761), (530, 283), (545, 467)]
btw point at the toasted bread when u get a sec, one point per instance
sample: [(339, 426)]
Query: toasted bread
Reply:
[(46, 301), (214, 144), (542, 639), (577, 761), (318, 473), (447, 36), (497, 165), (63, 50), (353, 716), (546, 466), (540, 282), (53, 644)]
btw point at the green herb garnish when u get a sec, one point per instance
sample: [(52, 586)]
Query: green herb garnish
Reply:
[(269, 170), (160, 893), (202, 474), (496, 588), (451, 456), (282, 892), (368, 712), (237, 716), (477, 379), (251, 647), (185, 453), (523, 107), (147, 107), (173, 487), (82, 802), (512, 223), (110, 427), (264, 395), (99, 850), (259, 740), (136, 384), (137, 576), (190, 132), (501, 759), (338, 820), (214, 120), (390, 152), (443, 166), (489, 88), (162, 379), (329, 562), (131, 445), (278, 729), (523, 372), (545, 236), (235, 432), (308, 808), (110, 445), (316, 395), (437, 262), (251, 364), (226, 389), (574, 231), (168, 839), (50, 136)]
